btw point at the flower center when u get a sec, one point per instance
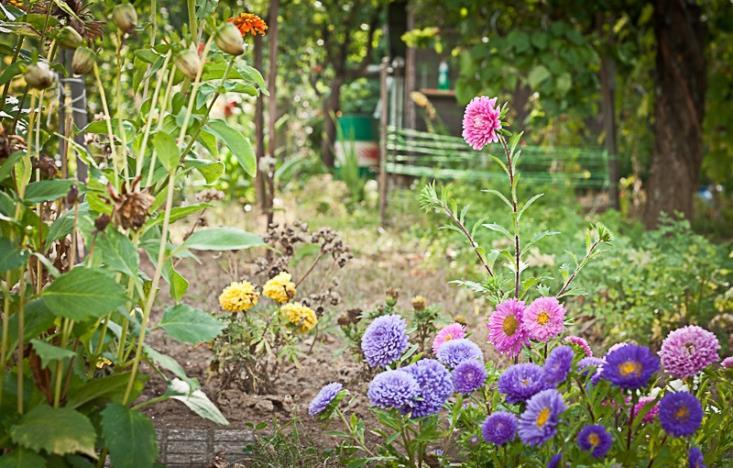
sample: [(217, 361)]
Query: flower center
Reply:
[(510, 325), (629, 367), (690, 348), (593, 439), (682, 413), (543, 417), (543, 318)]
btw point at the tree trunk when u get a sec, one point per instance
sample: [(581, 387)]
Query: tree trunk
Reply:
[(678, 109), (259, 129), (331, 106), (271, 106), (608, 110)]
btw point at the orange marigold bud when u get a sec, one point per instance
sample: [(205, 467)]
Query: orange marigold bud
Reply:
[(248, 23)]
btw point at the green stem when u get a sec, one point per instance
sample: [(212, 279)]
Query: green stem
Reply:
[(108, 120), (21, 338), (6, 321), (66, 331), (192, 23), (150, 402), (118, 102), (159, 125), (515, 217), (151, 114)]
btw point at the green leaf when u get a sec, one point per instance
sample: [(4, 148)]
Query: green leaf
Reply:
[(167, 150), (178, 284), (55, 430), (564, 83), (7, 166), (48, 352), (11, 257), (498, 228), (166, 362), (61, 227), (189, 325), (222, 239), (177, 213), (537, 75), (110, 387), (22, 458), (199, 403), (118, 252), (130, 437), (240, 146), (83, 293), (46, 190), (210, 170)]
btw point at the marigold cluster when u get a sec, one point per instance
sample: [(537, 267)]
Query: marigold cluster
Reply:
[(300, 316), (280, 288), (249, 24), (238, 297)]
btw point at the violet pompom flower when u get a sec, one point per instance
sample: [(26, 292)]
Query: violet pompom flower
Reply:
[(521, 381), (557, 365), (630, 366), (642, 404), (393, 389), (506, 331), (324, 398), (592, 365), (499, 428), (384, 340), (580, 343), (555, 461), (481, 121), (595, 439), (727, 362), (680, 414), (544, 318), (435, 385), (539, 421), (454, 331), (455, 352), (695, 458), (468, 376), (688, 350)]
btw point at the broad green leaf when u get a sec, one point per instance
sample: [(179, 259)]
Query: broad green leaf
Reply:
[(83, 293), (168, 153), (189, 325), (564, 83), (61, 227), (38, 319), (166, 362), (178, 284), (48, 352), (199, 403), (118, 252), (222, 239), (130, 437), (110, 387), (240, 146), (177, 213), (537, 75), (210, 170), (7, 166), (11, 257), (22, 458), (55, 430), (46, 190)]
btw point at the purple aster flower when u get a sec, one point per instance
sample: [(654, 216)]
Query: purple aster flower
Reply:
[(727, 362), (557, 365), (324, 398), (586, 366), (539, 421), (393, 389), (454, 331), (499, 428), (688, 350), (630, 366), (470, 375), (695, 458), (521, 381), (642, 404), (455, 352), (506, 331), (481, 121), (435, 387), (595, 439), (544, 318), (384, 340), (555, 461), (580, 343), (680, 414)]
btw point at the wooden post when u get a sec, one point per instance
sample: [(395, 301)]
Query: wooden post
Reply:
[(384, 113), (410, 72)]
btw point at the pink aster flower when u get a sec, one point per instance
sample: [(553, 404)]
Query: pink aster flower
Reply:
[(506, 331), (728, 362), (454, 331), (580, 343), (688, 350), (544, 318), (641, 404), (480, 122)]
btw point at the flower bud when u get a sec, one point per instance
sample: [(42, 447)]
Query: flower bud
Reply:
[(39, 76), (69, 38), (102, 221), (125, 17), (83, 61), (229, 39), (189, 63)]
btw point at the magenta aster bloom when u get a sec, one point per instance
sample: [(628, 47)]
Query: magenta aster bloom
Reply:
[(642, 404), (454, 331), (506, 331), (727, 362), (580, 343), (688, 350), (539, 421), (544, 318), (481, 122)]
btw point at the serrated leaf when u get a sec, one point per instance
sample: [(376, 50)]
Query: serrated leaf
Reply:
[(47, 190), (168, 153), (130, 437), (240, 146), (48, 352), (11, 257), (55, 430), (118, 252), (83, 293), (189, 325), (22, 458), (222, 239)]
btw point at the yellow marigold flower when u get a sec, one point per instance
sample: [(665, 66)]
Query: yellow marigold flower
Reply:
[(238, 297), (280, 288), (300, 316), (103, 362), (248, 23)]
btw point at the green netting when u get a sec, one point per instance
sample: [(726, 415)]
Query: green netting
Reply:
[(420, 154)]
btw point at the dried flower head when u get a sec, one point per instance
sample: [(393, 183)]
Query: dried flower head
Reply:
[(249, 24), (419, 303), (130, 205)]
